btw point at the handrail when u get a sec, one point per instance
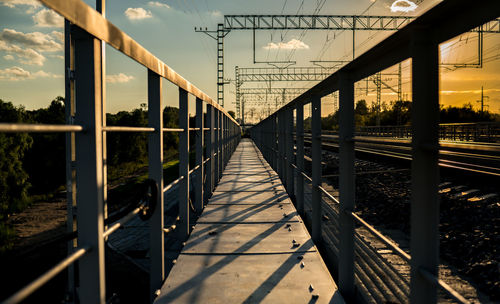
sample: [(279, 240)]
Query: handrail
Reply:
[(36, 128), (47, 276), (85, 17)]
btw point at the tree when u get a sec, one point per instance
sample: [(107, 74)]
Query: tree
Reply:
[(14, 182), (45, 161)]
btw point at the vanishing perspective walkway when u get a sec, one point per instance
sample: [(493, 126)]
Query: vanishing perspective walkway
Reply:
[(249, 245)]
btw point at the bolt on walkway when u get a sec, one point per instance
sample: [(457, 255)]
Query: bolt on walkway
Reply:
[(249, 245)]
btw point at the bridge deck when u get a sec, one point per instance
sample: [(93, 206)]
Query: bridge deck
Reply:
[(242, 249)]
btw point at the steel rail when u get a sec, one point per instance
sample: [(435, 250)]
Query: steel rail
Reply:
[(434, 280), (37, 128), (47, 276), (381, 237)]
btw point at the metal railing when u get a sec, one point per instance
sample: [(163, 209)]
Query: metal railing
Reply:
[(86, 31), (356, 265), (476, 132)]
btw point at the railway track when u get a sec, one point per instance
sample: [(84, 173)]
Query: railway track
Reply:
[(482, 158), (460, 195)]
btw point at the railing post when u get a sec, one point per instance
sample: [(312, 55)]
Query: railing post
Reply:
[(281, 146), (346, 187), (216, 148), (316, 168), (424, 243), (290, 154), (198, 202), (275, 134), (69, 103), (89, 175), (183, 165), (220, 145), (300, 158), (209, 151), (155, 157)]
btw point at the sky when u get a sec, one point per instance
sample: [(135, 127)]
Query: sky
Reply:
[(32, 65)]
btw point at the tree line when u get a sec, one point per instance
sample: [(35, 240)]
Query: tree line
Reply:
[(33, 164), (398, 113)]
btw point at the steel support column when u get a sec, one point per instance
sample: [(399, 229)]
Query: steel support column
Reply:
[(198, 202), (424, 243), (216, 148), (346, 187), (300, 158), (290, 154), (184, 227), (316, 168), (209, 152), (89, 175), (155, 157)]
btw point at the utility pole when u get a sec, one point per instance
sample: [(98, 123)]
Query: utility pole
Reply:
[(482, 100), (218, 35)]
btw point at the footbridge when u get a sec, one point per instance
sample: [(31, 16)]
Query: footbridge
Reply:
[(254, 219)]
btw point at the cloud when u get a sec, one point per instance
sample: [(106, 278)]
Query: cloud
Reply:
[(57, 56), (58, 35), (403, 6), (290, 45), (158, 4), (215, 13), (14, 3), (8, 57), (118, 78), (16, 74), (25, 55), (36, 40), (137, 13), (48, 18), (477, 92)]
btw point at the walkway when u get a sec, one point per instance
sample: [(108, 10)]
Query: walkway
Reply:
[(249, 245)]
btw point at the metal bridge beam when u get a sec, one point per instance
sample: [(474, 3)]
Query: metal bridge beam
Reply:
[(89, 173), (155, 166)]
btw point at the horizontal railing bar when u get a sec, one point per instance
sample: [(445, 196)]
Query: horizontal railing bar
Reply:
[(35, 128), (172, 130), (175, 182), (127, 129), (194, 129), (122, 221), (169, 229), (47, 276), (172, 227), (85, 17), (331, 197), (432, 279), (194, 169), (206, 160), (206, 129), (381, 237), (303, 174)]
